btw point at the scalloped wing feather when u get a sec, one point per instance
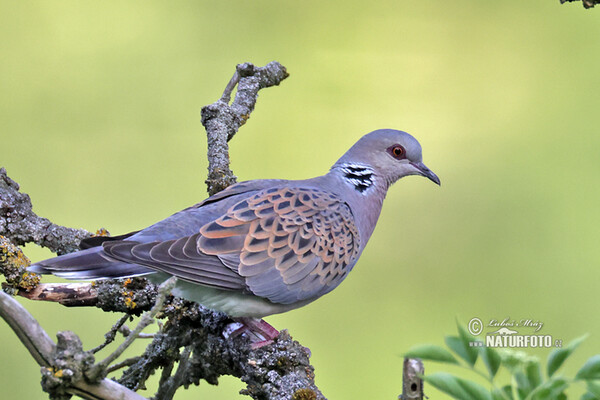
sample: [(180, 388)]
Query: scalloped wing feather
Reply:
[(283, 244), (294, 243)]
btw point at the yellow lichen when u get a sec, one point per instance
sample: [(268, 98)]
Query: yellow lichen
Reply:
[(59, 373), (129, 303), (12, 254), (29, 281), (13, 265), (20, 260), (102, 232), (304, 394)]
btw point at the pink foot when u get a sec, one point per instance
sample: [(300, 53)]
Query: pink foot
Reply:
[(258, 331)]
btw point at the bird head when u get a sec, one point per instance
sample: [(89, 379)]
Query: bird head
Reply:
[(392, 154)]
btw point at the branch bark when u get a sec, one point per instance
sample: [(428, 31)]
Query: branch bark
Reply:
[(67, 294), (412, 383), (278, 371)]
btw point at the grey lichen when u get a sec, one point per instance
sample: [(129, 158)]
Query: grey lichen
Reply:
[(70, 363), (280, 371), (131, 295)]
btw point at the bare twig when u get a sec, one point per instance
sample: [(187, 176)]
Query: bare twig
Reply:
[(132, 296), (125, 363), (226, 96), (109, 336), (68, 294), (125, 331), (222, 120), (169, 386)]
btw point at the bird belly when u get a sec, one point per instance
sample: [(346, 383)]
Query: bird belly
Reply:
[(234, 304)]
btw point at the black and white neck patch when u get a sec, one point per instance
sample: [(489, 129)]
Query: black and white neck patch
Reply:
[(360, 176)]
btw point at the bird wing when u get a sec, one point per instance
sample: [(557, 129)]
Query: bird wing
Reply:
[(284, 244)]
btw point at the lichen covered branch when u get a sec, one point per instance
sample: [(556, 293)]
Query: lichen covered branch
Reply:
[(222, 120)]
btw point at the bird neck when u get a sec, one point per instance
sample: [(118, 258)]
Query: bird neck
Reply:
[(364, 190)]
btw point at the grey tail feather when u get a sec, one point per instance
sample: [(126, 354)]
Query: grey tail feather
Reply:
[(94, 241), (88, 264)]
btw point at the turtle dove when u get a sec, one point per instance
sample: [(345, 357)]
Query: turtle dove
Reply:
[(264, 246)]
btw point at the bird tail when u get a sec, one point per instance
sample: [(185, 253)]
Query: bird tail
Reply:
[(88, 264)]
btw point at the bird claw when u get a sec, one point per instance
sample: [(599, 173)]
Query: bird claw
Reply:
[(258, 331)]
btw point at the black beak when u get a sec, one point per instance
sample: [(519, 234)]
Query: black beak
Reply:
[(426, 172)]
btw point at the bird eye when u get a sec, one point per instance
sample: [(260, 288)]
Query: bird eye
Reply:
[(397, 151)]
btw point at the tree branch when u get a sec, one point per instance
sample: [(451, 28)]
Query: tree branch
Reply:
[(412, 383), (222, 120), (43, 350), (68, 294)]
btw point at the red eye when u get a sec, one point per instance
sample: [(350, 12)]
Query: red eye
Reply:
[(397, 151)]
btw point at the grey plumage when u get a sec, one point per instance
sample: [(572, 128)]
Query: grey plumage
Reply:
[(265, 246)]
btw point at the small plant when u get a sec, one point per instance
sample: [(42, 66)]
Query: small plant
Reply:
[(527, 382)]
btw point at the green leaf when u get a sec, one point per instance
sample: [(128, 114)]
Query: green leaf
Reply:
[(457, 345), (533, 371), (503, 393), (513, 360), (589, 396), (468, 340), (458, 388), (591, 369), (448, 384), (432, 353), (550, 390), (523, 387), (491, 359), (558, 356), (475, 390), (594, 387)]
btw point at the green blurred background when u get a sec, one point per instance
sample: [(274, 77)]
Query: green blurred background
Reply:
[(100, 108)]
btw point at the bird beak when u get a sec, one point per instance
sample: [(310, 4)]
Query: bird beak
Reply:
[(426, 172)]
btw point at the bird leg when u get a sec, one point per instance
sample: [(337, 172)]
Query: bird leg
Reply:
[(257, 330)]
